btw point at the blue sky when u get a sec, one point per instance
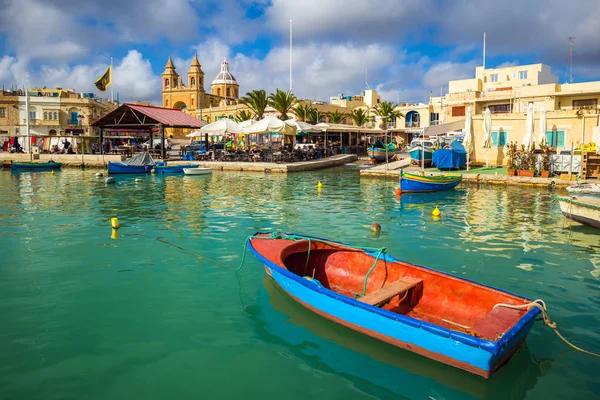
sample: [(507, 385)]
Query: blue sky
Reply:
[(409, 47)]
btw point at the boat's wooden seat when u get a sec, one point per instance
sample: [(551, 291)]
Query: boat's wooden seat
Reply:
[(393, 289), (496, 322)]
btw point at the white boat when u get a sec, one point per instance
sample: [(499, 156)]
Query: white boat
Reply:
[(584, 190), (585, 210), (197, 171)]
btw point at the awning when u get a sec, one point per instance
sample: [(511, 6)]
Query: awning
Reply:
[(441, 129)]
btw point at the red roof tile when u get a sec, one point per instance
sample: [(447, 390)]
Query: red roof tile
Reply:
[(168, 116)]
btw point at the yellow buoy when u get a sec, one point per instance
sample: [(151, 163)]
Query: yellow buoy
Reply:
[(52, 172), (114, 234), (436, 212), (114, 222), (319, 185)]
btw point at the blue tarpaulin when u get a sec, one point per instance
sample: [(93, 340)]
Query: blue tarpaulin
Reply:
[(454, 157)]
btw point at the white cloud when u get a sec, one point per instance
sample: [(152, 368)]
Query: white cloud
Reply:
[(440, 73)]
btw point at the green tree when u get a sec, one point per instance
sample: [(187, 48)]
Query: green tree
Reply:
[(359, 116), (302, 111), (386, 110), (244, 115), (282, 102), (314, 116), (257, 101), (336, 117)]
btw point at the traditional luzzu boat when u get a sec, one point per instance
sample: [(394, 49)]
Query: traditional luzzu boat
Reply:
[(585, 210), (421, 151), (173, 169), (379, 151), (34, 166), (449, 319), (417, 183), (138, 164)]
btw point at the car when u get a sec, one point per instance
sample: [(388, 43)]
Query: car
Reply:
[(156, 144)]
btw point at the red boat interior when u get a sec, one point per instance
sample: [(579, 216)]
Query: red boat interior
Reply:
[(399, 287)]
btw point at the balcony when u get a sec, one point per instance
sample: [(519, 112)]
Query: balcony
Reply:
[(412, 124)]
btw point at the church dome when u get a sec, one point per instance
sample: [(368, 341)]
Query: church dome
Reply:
[(225, 77)]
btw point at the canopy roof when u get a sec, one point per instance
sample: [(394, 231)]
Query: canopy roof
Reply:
[(346, 128), (442, 129), (135, 115), (270, 124)]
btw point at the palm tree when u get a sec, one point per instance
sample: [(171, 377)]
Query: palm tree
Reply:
[(386, 110), (244, 115), (257, 101), (282, 102), (302, 111), (359, 116), (336, 117)]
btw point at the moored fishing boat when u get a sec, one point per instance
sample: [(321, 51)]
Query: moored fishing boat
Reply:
[(34, 166), (6, 164), (584, 190), (446, 318), (197, 171), (379, 151), (584, 210), (417, 183), (173, 169), (421, 151), (138, 164)]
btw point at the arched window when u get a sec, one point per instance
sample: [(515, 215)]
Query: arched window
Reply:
[(218, 91), (55, 115), (167, 103), (45, 115), (193, 82), (166, 82), (227, 92)]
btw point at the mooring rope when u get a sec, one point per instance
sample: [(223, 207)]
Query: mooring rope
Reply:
[(541, 305)]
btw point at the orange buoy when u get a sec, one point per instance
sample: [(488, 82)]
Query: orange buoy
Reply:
[(398, 191)]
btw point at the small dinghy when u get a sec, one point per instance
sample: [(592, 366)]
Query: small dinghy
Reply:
[(138, 164), (173, 169), (197, 171), (585, 210), (437, 315), (34, 166), (584, 190)]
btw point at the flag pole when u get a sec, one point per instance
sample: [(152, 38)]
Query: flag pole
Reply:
[(290, 55), (112, 84), (27, 122)]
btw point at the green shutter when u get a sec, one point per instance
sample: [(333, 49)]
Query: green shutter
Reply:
[(494, 136), (502, 139), (550, 138), (560, 138)]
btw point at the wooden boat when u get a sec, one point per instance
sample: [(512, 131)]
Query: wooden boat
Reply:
[(197, 171), (378, 151), (173, 169), (440, 316), (585, 210), (138, 164), (6, 164), (584, 190), (417, 183), (417, 155), (34, 166)]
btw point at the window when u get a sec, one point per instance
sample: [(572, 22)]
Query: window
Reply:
[(166, 82), (499, 138), (55, 115), (555, 138), (434, 118), (2, 112), (74, 118), (32, 114), (45, 115), (494, 78), (193, 82), (522, 75), (500, 108), (458, 111), (227, 92), (218, 91), (587, 104)]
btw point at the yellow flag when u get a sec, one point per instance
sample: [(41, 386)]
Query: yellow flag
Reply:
[(105, 80)]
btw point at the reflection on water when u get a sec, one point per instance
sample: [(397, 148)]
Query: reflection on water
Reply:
[(159, 308)]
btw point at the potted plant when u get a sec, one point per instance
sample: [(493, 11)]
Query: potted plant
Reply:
[(526, 165), (512, 154), (545, 160)]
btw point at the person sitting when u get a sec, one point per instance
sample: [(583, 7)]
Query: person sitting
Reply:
[(54, 149)]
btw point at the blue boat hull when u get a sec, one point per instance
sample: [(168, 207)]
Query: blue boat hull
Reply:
[(409, 185), (15, 166), (173, 169), (417, 155), (466, 352), (120, 168), (379, 153)]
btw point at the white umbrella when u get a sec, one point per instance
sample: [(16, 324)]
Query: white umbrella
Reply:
[(487, 131), (195, 134), (543, 126), (468, 140), (302, 126), (270, 124), (528, 139), (222, 127), (247, 123)]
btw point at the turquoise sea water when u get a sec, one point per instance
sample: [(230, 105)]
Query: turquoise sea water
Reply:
[(159, 312)]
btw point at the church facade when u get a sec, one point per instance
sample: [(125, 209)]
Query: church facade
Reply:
[(190, 96)]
